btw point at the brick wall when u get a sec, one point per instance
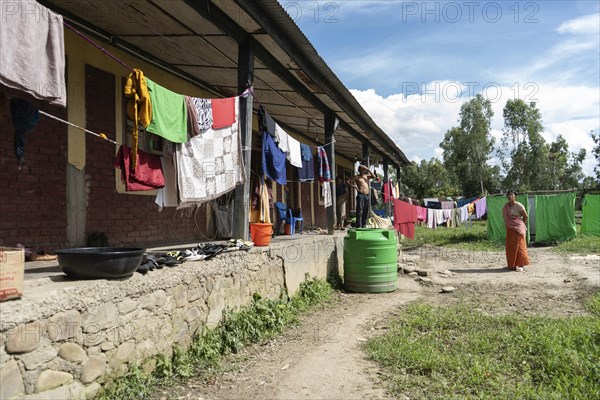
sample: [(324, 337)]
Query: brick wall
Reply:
[(126, 219), (33, 199)]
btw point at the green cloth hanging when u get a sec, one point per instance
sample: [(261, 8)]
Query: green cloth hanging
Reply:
[(590, 222), (169, 113), (555, 217), (496, 228)]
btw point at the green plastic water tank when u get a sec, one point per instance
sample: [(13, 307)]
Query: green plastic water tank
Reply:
[(370, 260)]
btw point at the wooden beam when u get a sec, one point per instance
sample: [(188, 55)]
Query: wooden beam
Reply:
[(241, 208), (330, 122)]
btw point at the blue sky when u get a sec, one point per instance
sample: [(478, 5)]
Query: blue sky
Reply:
[(412, 64)]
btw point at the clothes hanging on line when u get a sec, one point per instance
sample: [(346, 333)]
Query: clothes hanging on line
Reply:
[(139, 108), (148, 174), (169, 113), (273, 160), (324, 170), (223, 112), (33, 53), (25, 116), (281, 137), (327, 197), (307, 172), (167, 195), (294, 155), (209, 165), (204, 113), (265, 122), (405, 216)]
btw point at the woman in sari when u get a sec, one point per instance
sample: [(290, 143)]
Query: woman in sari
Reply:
[(515, 218)]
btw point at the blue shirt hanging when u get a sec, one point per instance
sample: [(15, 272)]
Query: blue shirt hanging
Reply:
[(273, 160)]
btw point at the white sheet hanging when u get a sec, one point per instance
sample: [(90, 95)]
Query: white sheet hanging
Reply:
[(210, 165)]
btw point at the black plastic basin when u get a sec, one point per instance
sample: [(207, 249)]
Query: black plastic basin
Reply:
[(100, 262)]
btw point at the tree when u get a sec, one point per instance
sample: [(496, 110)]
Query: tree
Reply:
[(596, 153), (564, 168), (427, 179), (467, 148), (524, 152)]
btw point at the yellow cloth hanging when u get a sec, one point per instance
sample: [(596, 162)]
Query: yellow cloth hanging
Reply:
[(265, 211), (139, 107)]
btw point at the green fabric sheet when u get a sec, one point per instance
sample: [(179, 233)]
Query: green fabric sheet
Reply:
[(169, 113), (555, 217), (496, 228), (590, 222)]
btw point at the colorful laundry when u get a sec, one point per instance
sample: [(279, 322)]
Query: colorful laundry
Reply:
[(324, 170)]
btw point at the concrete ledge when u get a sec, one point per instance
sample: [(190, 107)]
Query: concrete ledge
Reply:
[(66, 338)]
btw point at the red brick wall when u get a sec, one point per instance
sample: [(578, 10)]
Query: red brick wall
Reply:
[(126, 219), (33, 199)]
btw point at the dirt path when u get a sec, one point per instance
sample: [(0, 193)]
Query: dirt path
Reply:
[(322, 359)]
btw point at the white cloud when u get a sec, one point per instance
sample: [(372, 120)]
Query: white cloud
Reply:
[(584, 25)]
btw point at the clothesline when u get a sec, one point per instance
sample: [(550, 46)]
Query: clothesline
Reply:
[(100, 135), (97, 46)]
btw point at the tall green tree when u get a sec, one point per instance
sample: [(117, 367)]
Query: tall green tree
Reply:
[(564, 167), (467, 148), (524, 152)]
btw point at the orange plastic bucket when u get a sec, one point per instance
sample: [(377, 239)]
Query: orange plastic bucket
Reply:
[(261, 233)]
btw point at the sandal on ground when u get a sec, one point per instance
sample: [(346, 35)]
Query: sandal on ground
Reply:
[(520, 269)]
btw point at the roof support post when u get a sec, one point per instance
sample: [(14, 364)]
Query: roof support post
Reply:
[(330, 125), (241, 209), (385, 182), (365, 153)]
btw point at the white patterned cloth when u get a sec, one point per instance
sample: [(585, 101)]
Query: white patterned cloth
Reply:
[(210, 165), (327, 194), (204, 111)]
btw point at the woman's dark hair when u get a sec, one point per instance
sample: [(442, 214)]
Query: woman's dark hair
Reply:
[(511, 192)]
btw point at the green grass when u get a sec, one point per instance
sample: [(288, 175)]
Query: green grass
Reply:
[(475, 239), (459, 353), (581, 244), (258, 322)]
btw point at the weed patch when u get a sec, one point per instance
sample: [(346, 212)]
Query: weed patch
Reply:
[(261, 320)]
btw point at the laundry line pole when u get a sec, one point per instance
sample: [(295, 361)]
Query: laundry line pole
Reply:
[(241, 209)]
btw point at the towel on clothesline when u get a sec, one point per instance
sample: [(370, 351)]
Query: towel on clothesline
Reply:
[(32, 52), (169, 113)]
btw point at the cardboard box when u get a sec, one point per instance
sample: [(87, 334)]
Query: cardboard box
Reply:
[(12, 272)]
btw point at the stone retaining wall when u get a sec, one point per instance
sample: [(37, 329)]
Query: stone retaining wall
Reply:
[(64, 339)]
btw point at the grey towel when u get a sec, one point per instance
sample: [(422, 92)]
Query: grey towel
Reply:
[(32, 51)]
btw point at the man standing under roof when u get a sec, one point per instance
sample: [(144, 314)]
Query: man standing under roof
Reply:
[(361, 183)]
